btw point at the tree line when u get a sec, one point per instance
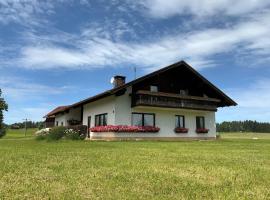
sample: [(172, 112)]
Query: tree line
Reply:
[(244, 126), (29, 124)]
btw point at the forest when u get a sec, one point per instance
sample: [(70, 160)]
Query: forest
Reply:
[(244, 126)]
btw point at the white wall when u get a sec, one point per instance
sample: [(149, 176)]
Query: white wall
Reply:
[(165, 119), (61, 118), (123, 108), (74, 113), (105, 105)]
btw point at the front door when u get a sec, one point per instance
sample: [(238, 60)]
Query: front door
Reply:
[(88, 126)]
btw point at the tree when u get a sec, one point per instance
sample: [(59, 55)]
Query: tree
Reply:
[(3, 107)]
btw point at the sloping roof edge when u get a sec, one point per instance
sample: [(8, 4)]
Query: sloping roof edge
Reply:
[(114, 90), (56, 110)]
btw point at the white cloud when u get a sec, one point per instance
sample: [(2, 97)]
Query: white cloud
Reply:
[(23, 11), (253, 102), (31, 113), (168, 8), (18, 89), (29, 100), (197, 47), (30, 12)]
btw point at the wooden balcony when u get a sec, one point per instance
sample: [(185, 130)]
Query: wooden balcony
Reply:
[(168, 100)]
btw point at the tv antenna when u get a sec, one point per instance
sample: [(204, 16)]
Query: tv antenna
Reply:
[(135, 72)]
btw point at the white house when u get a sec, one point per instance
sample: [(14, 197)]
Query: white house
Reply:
[(176, 101)]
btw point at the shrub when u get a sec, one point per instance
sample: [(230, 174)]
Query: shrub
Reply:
[(41, 137), (56, 133), (72, 134), (2, 132), (42, 134), (81, 129)]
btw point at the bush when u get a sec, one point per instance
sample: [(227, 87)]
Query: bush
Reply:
[(81, 129), (42, 134), (72, 134), (41, 137), (56, 133), (2, 132)]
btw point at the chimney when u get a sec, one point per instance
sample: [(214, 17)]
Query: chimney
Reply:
[(119, 81)]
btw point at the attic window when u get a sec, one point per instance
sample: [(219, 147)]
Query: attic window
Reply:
[(183, 92), (154, 88)]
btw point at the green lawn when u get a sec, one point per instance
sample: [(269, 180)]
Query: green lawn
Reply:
[(246, 135), (20, 133), (222, 169)]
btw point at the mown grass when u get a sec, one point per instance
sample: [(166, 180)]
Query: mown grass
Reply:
[(246, 135), (223, 169), (20, 133)]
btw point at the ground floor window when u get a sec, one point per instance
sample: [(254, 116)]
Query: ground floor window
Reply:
[(143, 119), (56, 123), (101, 119), (62, 123), (179, 121), (200, 122)]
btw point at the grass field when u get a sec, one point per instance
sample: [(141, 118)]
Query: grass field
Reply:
[(230, 168)]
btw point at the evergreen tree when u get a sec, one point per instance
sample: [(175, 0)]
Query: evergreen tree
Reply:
[(244, 126)]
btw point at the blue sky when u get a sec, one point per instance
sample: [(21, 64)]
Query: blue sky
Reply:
[(57, 52)]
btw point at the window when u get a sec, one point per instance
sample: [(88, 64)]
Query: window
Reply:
[(179, 121), (56, 123), (200, 122), (143, 119), (153, 88), (101, 120), (183, 92), (62, 123)]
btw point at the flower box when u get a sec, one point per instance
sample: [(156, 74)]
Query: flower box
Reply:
[(125, 128), (202, 130), (180, 130)]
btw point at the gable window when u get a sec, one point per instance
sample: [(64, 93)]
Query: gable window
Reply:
[(179, 121), (153, 88), (200, 122), (101, 119), (183, 92), (143, 119)]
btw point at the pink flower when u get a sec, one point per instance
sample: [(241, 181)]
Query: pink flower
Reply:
[(180, 130), (125, 128), (202, 130)]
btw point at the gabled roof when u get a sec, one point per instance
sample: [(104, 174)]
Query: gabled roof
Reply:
[(56, 110), (229, 101)]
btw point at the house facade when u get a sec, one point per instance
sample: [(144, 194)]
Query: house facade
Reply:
[(176, 102)]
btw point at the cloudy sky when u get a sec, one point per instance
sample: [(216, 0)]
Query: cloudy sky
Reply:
[(57, 52)]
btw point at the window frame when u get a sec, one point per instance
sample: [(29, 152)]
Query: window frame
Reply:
[(198, 122), (155, 87), (177, 117), (143, 121), (105, 116)]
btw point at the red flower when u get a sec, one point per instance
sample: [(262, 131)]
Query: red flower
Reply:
[(124, 128), (180, 130), (202, 130)]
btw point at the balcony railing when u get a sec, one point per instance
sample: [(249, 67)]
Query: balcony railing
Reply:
[(160, 99)]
